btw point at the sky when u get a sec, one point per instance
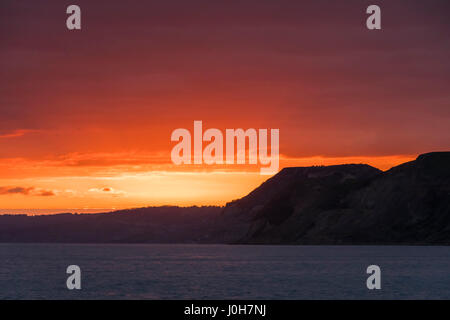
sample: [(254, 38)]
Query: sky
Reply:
[(86, 116)]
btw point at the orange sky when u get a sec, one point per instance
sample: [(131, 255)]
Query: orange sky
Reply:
[(86, 116)]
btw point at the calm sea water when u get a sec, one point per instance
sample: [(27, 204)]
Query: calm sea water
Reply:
[(37, 271)]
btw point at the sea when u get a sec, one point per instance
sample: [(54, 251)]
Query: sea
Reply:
[(168, 271)]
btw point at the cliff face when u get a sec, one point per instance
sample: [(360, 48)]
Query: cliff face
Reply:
[(409, 203), (347, 204)]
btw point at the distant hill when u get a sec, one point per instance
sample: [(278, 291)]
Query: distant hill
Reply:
[(343, 204), (166, 224)]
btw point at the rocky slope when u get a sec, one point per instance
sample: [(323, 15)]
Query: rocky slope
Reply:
[(347, 204)]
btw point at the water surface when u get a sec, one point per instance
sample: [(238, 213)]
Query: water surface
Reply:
[(149, 271)]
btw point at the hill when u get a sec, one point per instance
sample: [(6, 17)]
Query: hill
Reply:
[(347, 204), (342, 204)]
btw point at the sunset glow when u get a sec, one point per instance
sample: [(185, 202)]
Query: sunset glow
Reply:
[(86, 117)]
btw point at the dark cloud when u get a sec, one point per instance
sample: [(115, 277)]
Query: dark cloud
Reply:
[(46, 193), (28, 191), (12, 190)]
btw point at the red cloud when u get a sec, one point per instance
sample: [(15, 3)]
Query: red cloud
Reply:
[(16, 133)]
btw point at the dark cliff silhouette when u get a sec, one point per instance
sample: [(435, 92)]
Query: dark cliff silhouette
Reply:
[(347, 204), (343, 204)]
